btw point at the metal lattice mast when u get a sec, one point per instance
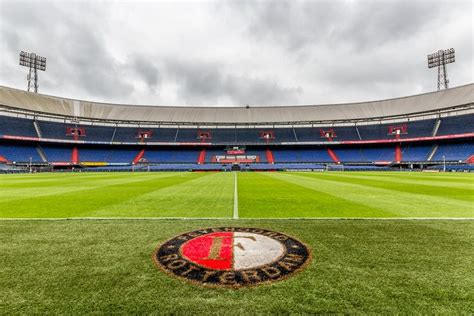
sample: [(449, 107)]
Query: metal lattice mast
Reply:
[(440, 59), (34, 63)]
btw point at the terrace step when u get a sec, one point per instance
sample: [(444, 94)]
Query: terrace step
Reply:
[(37, 128), (436, 127), (41, 153), (432, 153)]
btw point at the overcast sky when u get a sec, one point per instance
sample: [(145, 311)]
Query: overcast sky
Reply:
[(235, 52)]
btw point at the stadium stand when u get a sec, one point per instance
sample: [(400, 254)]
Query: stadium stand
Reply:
[(301, 155), (454, 152), (456, 125), (19, 152), (171, 156), (413, 152), (113, 155), (57, 153), (17, 126), (425, 130)]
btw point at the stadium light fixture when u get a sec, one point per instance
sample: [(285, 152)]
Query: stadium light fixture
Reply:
[(440, 59), (34, 63)]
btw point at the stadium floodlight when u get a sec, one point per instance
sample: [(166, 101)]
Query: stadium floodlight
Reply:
[(440, 59), (34, 63)]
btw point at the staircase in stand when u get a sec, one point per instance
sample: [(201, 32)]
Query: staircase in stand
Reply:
[(37, 128), (41, 153), (432, 153), (436, 127)]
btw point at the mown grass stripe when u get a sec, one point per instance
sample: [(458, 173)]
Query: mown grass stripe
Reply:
[(400, 204), (264, 196), (203, 195), (236, 198), (408, 180), (421, 188)]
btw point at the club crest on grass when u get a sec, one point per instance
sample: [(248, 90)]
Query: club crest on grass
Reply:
[(232, 256)]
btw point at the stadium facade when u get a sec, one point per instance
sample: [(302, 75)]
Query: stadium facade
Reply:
[(426, 131)]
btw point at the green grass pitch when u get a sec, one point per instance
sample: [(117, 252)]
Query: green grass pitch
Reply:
[(103, 266), (260, 195)]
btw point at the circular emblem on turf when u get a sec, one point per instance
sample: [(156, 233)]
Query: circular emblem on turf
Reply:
[(232, 256)]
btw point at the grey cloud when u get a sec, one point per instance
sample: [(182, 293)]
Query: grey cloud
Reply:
[(203, 82), (358, 25), (148, 70), (272, 52), (77, 56)]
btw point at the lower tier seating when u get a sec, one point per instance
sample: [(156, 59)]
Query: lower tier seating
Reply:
[(23, 152)]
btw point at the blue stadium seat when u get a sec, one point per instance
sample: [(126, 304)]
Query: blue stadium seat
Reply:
[(17, 127), (19, 152)]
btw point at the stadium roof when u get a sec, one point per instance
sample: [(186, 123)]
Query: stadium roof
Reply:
[(433, 101)]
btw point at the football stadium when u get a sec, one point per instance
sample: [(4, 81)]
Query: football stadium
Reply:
[(360, 207), (91, 189)]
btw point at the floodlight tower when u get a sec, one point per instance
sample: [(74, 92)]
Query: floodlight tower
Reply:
[(35, 63), (440, 59)]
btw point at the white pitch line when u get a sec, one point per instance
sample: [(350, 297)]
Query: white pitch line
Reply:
[(236, 198), (243, 219)]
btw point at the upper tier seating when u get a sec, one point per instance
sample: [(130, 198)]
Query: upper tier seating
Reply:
[(313, 134), (92, 133), (381, 131), (17, 127), (228, 136), (53, 130), (457, 125)]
